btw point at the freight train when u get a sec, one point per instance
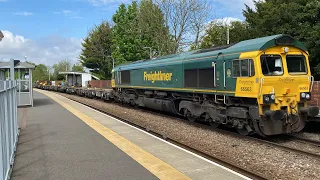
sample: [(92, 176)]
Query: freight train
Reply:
[(256, 86)]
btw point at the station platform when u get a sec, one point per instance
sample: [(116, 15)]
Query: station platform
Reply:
[(63, 139)]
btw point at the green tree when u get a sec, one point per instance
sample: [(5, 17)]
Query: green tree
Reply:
[(299, 18), (186, 19), (126, 40), (61, 66), (40, 73), (139, 29), (97, 49), (153, 30), (216, 34), (77, 68)]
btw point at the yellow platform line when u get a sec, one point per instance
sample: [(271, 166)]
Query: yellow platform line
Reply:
[(155, 165)]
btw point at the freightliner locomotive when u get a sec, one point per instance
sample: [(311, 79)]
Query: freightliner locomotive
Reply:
[(256, 86)]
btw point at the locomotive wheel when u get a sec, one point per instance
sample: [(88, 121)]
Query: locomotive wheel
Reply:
[(211, 122), (189, 115), (214, 124), (132, 103), (243, 131)]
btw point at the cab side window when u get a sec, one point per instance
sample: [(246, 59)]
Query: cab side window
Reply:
[(243, 68)]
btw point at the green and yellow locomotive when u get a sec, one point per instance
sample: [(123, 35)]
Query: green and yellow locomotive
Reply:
[(257, 86)]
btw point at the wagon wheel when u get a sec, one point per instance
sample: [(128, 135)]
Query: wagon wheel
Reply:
[(189, 115)]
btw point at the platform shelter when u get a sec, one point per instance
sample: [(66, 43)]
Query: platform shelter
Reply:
[(23, 76), (78, 79)]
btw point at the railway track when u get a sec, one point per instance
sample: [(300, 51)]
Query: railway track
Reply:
[(301, 146), (230, 165), (306, 140), (286, 146)]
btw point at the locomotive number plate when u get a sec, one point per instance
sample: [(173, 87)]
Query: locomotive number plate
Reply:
[(245, 89)]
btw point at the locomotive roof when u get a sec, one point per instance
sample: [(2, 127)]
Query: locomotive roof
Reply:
[(243, 46)]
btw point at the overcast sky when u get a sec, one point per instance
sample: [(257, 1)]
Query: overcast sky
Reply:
[(47, 31)]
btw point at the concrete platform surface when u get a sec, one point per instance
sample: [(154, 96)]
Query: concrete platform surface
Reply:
[(56, 145), (73, 141)]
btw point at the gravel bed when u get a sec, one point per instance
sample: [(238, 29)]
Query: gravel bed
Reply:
[(268, 161), (299, 145), (307, 135)]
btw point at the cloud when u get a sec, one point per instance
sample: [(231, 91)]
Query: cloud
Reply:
[(22, 13), (48, 50), (108, 2), (64, 12), (226, 20), (76, 17), (69, 13)]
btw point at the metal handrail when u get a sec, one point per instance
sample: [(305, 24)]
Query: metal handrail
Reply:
[(8, 126), (312, 81), (261, 83), (224, 75)]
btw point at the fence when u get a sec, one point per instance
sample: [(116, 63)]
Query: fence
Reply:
[(315, 94), (8, 126), (100, 83)]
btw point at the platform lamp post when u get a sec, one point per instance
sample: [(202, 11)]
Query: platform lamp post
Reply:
[(228, 25), (150, 51), (228, 35), (49, 72), (112, 61)]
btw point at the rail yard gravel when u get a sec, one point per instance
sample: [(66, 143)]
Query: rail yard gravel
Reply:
[(270, 162)]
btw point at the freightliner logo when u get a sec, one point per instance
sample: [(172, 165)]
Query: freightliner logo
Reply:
[(157, 76)]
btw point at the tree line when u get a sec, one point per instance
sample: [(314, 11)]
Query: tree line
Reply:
[(144, 30), (43, 72), (154, 28)]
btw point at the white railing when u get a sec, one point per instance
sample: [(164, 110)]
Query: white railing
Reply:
[(8, 126)]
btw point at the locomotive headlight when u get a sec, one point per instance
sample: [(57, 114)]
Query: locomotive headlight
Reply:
[(269, 98), (308, 96), (273, 97), (305, 96)]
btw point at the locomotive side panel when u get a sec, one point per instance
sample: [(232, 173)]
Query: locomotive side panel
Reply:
[(248, 79), (160, 76), (230, 81)]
